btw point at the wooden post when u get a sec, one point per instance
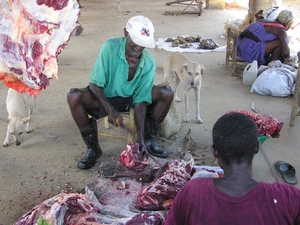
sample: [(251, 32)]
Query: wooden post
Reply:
[(251, 12), (106, 123), (296, 100), (255, 6)]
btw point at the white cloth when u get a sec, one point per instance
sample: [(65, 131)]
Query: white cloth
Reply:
[(207, 171), (162, 44)]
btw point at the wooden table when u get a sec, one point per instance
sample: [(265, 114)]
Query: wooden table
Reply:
[(197, 3)]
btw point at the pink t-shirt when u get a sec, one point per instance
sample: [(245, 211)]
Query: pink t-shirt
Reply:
[(200, 202)]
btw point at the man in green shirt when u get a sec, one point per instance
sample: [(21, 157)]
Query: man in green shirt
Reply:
[(122, 77)]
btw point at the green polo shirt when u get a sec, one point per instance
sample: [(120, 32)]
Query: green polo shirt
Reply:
[(111, 72)]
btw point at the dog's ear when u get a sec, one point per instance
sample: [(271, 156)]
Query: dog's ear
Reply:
[(5, 120), (202, 69), (26, 119), (184, 67)]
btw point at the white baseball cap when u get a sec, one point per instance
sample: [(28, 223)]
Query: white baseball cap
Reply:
[(141, 31)]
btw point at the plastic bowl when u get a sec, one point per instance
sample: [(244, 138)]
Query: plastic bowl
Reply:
[(262, 139)]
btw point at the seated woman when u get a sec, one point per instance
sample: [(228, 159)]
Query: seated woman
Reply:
[(266, 40)]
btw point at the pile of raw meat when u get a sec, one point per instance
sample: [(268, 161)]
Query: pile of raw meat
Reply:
[(146, 218), (32, 34), (131, 159), (79, 209), (110, 201), (61, 209), (267, 125), (160, 193)]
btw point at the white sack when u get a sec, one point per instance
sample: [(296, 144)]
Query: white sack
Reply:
[(276, 79)]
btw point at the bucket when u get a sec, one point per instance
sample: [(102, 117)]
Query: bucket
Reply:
[(250, 73)]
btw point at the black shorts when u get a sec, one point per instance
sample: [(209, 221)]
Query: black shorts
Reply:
[(119, 103)]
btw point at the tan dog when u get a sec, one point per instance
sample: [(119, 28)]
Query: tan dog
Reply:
[(190, 74), (19, 107)]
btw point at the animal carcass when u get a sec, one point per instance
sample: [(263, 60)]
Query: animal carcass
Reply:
[(32, 34)]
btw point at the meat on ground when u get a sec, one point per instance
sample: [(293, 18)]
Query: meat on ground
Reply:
[(131, 159), (267, 125), (159, 194)]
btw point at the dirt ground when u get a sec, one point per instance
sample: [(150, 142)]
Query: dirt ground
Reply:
[(45, 164)]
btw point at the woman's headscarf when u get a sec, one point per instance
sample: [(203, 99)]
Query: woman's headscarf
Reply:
[(286, 17)]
